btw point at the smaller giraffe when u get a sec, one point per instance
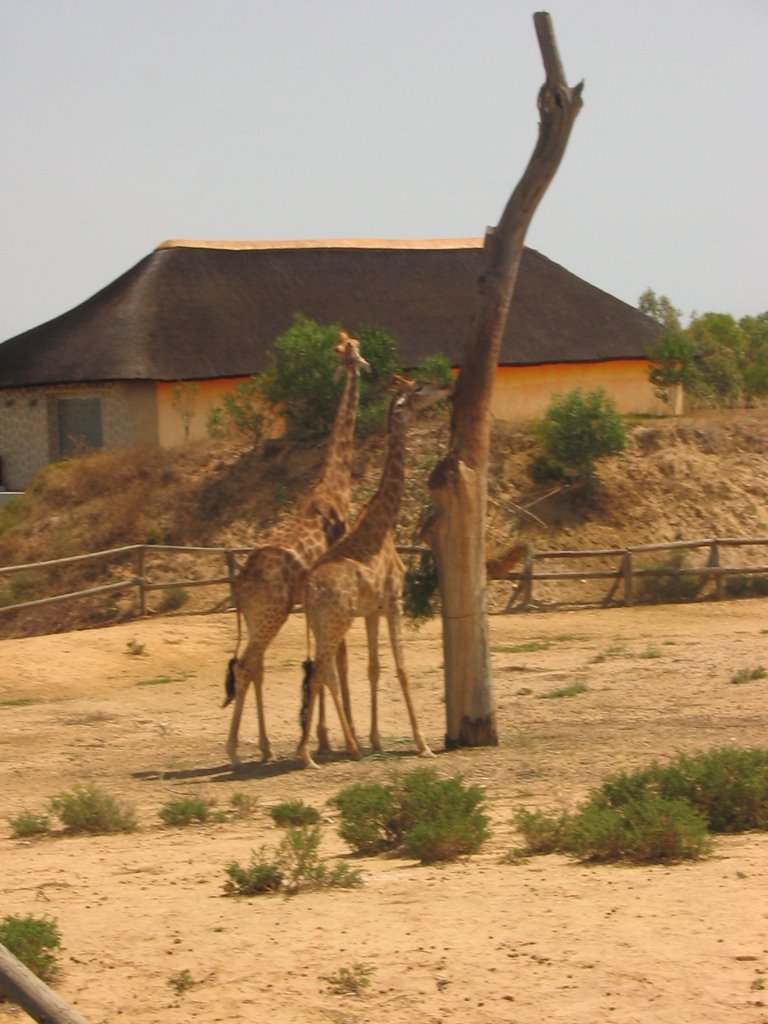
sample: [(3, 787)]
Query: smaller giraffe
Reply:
[(362, 576), (272, 580)]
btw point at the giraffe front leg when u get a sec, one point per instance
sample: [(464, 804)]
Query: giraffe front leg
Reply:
[(394, 616), (372, 632), (307, 711)]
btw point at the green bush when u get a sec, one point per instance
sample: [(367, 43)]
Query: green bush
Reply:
[(184, 810), (295, 866), (728, 785), (258, 877), (90, 809), (34, 941), (659, 813), (543, 833), (578, 429), (369, 817), (425, 817), (420, 588), (27, 824), (650, 829), (294, 812)]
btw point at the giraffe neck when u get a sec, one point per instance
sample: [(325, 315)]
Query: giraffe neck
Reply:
[(336, 478), (381, 512)]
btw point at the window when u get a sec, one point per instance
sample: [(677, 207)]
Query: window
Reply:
[(79, 425)]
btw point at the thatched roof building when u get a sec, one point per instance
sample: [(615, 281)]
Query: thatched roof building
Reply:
[(208, 310)]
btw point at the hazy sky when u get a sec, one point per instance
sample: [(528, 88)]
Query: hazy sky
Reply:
[(126, 122)]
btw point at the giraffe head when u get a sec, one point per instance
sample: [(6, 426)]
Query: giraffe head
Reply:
[(415, 395), (347, 351)]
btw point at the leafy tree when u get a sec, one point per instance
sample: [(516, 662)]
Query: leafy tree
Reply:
[(660, 309), (754, 331), (672, 364), (242, 411), (578, 429), (301, 379)]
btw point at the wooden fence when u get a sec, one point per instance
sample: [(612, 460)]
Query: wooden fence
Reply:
[(624, 570)]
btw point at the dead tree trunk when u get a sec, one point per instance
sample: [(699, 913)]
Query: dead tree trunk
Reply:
[(458, 485)]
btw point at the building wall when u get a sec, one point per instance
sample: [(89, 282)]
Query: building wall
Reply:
[(186, 405), (29, 438), (523, 392)]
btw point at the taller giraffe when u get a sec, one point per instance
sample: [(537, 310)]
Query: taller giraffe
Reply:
[(362, 576), (272, 580)]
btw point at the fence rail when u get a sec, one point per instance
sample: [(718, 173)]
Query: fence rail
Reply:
[(625, 572)]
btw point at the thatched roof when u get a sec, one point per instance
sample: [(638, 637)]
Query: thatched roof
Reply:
[(203, 310)]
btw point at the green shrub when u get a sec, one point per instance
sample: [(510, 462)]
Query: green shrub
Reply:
[(350, 981), (728, 785), (34, 941), (543, 833), (650, 829), (294, 812), (243, 804), (579, 429), (570, 690), (184, 810), (173, 598), (295, 866), (258, 877), (426, 817), (90, 809), (420, 588), (369, 817), (27, 824), (749, 675)]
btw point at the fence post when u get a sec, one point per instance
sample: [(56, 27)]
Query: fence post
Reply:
[(629, 579), (714, 561), (140, 569)]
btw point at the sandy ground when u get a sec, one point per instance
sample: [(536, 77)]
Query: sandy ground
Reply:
[(136, 709)]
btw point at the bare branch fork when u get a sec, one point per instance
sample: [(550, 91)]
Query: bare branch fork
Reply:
[(459, 484)]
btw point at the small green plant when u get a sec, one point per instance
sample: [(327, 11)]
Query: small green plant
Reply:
[(155, 681), (173, 598), (89, 809), (27, 824), (135, 649), (258, 877), (294, 812), (350, 981), (185, 810), (420, 588), (650, 653), (181, 982), (243, 804), (295, 866), (749, 675), (571, 690), (429, 818), (16, 702), (34, 941), (298, 857)]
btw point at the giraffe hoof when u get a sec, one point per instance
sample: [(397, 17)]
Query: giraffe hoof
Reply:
[(426, 752)]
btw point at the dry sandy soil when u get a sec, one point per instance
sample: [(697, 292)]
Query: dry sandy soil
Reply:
[(479, 940)]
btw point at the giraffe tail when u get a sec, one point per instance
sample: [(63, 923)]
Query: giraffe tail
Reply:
[(306, 688), (229, 681)]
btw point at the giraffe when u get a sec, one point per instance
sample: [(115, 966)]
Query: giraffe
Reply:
[(272, 579), (362, 576)]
